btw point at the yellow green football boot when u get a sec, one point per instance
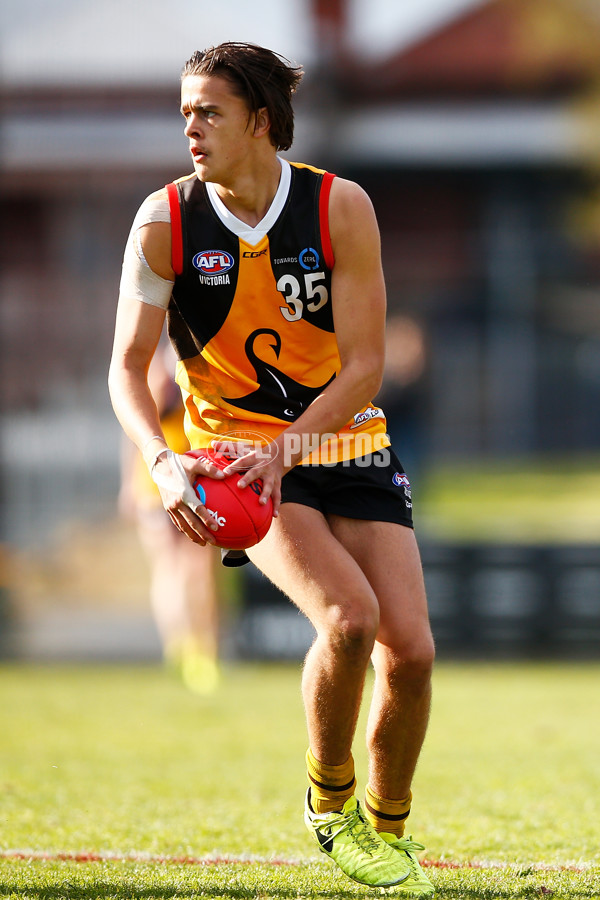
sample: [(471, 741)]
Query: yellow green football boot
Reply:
[(417, 884), (352, 842)]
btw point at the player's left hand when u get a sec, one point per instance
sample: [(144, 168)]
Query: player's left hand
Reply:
[(264, 463)]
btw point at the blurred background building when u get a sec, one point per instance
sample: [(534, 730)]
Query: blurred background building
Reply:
[(474, 126)]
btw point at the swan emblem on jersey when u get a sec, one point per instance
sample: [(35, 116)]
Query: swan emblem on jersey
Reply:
[(277, 394)]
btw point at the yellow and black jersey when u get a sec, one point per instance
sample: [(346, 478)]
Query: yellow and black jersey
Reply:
[(252, 323)]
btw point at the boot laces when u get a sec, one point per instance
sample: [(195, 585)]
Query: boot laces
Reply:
[(408, 845), (362, 833)]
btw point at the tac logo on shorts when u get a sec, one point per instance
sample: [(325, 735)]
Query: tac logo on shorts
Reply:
[(401, 480), (309, 259), (213, 262)]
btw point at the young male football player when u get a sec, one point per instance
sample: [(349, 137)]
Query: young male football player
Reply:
[(270, 275)]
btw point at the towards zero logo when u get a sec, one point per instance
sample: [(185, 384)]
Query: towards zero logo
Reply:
[(309, 259), (213, 262)]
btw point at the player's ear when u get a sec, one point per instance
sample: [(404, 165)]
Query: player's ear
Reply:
[(262, 122)]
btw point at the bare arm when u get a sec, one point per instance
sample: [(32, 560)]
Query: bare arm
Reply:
[(137, 332)]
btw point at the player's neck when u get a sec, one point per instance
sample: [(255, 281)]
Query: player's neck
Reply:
[(251, 195)]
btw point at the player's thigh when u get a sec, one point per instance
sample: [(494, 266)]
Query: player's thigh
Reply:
[(389, 557), (301, 556)]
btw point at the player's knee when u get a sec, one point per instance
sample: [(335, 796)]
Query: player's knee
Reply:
[(352, 625), (411, 662), (419, 664)]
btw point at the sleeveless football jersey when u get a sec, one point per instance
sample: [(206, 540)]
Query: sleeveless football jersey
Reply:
[(252, 323)]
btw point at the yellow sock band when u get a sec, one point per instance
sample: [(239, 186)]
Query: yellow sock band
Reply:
[(330, 786), (387, 815)]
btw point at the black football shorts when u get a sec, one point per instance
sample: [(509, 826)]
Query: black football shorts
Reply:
[(373, 487)]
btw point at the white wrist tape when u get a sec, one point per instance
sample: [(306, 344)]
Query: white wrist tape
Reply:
[(151, 462), (186, 491)]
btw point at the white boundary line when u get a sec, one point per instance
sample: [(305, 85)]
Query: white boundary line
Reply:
[(84, 856)]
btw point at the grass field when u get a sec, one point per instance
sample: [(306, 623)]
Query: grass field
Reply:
[(513, 501), (117, 783)]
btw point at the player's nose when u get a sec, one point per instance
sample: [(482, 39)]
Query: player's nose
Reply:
[(192, 126)]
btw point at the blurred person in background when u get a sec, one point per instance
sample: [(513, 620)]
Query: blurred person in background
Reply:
[(183, 586), (402, 393)]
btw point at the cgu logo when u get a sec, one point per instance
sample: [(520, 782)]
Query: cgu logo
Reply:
[(213, 262), (220, 520)]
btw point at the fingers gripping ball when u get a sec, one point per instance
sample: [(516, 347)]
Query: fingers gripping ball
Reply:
[(242, 520)]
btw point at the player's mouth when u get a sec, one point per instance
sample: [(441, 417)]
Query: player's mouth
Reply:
[(198, 155)]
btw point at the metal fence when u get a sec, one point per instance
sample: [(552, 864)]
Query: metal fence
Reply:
[(496, 601)]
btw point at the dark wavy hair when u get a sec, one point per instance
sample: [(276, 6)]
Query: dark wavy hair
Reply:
[(259, 76)]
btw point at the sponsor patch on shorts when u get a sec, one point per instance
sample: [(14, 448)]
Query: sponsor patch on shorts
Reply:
[(401, 480)]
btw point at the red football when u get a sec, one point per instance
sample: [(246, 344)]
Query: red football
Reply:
[(242, 520)]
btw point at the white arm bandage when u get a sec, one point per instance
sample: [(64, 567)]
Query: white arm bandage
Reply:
[(138, 281)]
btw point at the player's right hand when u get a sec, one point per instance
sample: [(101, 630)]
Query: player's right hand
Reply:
[(174, 475)]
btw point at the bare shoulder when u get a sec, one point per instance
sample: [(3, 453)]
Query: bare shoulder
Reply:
[(157, 198), (349, 196), (154, 208), (352, 217), (155, 233), (155, 240)]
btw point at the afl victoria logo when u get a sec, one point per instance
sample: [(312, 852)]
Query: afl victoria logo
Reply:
[(213, 262)]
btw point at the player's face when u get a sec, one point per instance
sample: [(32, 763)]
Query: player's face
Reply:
[(218, 127)]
